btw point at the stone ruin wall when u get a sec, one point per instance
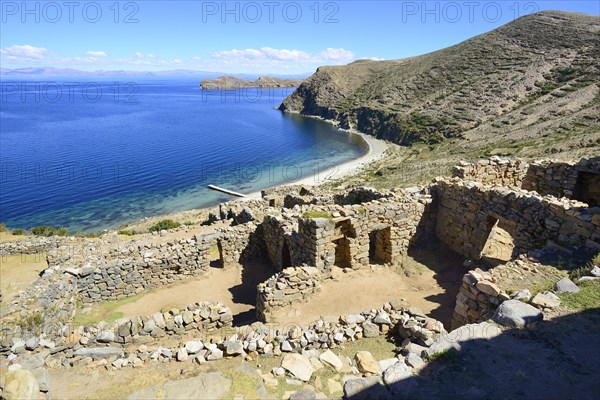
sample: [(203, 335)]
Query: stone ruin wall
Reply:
[(391, 225), (290, 286), (128, 271), (45, 307), (468, 210), (547, 177)]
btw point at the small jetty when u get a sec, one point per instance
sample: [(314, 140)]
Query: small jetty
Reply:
[(231, 192)]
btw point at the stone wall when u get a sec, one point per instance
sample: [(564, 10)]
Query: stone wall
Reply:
[(560, 178), (44, 308), (495, 171), (239, 244), (380, 231), (482, 291), (287, 287), (130, 343), (467, 211), (205, 317), (546, 177), (124, 272)]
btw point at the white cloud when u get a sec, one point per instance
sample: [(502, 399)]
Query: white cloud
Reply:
[(329, 55), (96, 54), (25, 52), (260, 60), (336, 55)]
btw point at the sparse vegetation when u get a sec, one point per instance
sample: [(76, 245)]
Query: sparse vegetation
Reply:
[(587, 298), (3, 228), (45, 230), (317, 214), (164, 225), (18, 232)]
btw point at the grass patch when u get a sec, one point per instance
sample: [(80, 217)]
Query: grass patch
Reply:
[(446, 357), (587, 298), (105, 311), (318, 214)]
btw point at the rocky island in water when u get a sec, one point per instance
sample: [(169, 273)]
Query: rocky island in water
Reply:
[(231, 82)]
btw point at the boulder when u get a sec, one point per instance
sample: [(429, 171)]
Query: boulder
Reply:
[(298, 365), (20, 384), (194, 346), (331, 359), (399, 379), (182, 355), (304, 394), (215, 354), (366, 363), (516, 314), (546, 300), (233, 349), (365, 389), (370, 329), (524, 295), (566, 285), (415, 361)]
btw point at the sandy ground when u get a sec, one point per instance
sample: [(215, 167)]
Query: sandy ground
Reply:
[(431, 285), (356, 291), (232, 287), (18, 272)]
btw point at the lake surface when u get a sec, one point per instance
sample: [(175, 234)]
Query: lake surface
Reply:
[(95, 155)]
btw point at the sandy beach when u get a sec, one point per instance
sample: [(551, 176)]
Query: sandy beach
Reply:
[(375, 150)]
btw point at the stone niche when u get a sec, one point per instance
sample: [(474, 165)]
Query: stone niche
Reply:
[(587, 188)]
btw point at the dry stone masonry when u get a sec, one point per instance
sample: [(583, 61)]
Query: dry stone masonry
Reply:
[(285, 288), (304, 233)]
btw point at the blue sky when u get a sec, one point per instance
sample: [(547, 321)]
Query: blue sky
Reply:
[(282, 37)]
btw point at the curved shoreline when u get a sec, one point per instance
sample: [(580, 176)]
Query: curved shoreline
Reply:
[(375, 150)]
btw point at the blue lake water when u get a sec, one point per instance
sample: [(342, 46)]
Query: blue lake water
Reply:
[(95, 155)]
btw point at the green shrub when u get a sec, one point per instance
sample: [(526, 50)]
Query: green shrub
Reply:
[(127, 232), (45, 230), (3, 228), (18, 232), (164, 224)]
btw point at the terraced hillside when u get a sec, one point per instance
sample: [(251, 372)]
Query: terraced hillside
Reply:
[(529, 88)]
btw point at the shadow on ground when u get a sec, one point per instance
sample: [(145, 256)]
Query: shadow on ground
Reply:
[(253, 273), (557, 359), (449, 271)]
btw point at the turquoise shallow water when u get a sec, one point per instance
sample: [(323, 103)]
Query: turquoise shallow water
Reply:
[(104, 154)]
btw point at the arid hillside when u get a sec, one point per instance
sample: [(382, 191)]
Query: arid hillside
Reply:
[(531, 83)]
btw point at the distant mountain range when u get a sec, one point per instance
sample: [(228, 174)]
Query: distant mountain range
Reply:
[(49, 72)]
